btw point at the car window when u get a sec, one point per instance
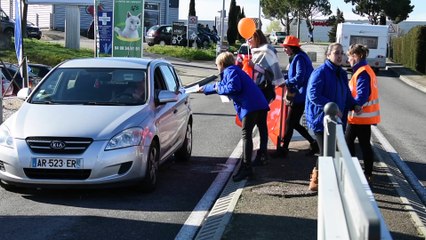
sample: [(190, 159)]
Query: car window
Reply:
[(170, 78), (93, 87), (159, 83)]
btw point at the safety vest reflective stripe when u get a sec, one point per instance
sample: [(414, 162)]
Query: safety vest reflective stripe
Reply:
[(370, 113), (369, 103), (365, 114)]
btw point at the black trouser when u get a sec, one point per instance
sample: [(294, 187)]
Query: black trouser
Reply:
[(252, 119), (319, 136), (363, 133), (292, 122)]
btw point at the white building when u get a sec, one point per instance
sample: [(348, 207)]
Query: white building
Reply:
[(53, 16)]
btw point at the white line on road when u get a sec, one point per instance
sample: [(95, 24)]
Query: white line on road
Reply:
[(195, 220)]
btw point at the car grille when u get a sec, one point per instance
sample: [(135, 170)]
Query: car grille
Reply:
[(67, 174), (58, 145)]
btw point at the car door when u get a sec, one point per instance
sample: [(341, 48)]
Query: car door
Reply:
[(181, 107), (167, 115)]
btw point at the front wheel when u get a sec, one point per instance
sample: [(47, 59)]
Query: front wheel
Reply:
[(149, 183), (184, 152)]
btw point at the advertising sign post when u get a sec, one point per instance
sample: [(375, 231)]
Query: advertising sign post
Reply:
[(128, 35)]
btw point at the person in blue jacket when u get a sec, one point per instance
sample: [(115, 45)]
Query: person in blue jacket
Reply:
[(249, 103), (328, 83), (296, 80)]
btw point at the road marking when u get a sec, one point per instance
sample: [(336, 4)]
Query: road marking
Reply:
[(195, 220)]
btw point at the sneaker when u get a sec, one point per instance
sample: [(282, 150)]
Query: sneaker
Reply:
[(243, 173), (260, 160)]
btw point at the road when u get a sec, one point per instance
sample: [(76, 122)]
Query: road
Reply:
[(403, 114), (125, 213)]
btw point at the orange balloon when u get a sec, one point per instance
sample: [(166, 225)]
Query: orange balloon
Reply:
[(246, 27)]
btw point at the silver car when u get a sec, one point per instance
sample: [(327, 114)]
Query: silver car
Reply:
[(98, 121)]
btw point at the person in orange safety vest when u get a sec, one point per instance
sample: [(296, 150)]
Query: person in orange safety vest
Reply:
[(363, 86)]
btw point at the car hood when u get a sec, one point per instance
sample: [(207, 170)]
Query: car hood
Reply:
[(97, 122)]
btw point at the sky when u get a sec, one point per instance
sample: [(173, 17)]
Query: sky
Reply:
[(208, 9)]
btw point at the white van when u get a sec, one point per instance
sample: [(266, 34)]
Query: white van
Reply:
[(375, 37)]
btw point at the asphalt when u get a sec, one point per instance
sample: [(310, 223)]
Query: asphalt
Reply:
[(277, 204)]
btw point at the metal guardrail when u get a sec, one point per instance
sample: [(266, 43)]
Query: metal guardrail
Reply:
[(346, 205)]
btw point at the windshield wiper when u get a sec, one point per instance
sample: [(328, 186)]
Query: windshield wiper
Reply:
[(44, 102)]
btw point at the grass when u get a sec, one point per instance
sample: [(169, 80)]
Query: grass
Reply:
[(45, 53), (52, 54)]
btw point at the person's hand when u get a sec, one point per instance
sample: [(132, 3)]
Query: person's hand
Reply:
[(357, 109), (201, 89)]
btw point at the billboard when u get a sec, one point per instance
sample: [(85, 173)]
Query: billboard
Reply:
[(128, 35)]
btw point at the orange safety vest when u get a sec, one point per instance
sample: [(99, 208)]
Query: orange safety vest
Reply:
[(370, 110)]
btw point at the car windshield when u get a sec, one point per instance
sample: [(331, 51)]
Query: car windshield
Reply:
[(280, 33), (92, 87)]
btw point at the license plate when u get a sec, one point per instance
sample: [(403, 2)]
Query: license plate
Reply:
[(57, 163)]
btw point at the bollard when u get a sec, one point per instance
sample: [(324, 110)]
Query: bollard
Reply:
[(331, 110)]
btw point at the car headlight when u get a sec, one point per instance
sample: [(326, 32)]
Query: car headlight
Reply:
[(127, 138), (5, 138)]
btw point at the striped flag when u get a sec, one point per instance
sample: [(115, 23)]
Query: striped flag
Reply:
[(18, 31)]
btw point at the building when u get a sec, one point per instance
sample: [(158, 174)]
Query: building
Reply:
[(53, 16)]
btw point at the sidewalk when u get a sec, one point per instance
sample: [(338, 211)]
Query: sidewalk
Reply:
[(278, 205)]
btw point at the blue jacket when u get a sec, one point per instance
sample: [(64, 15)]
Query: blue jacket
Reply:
[(239, 87), (328, 83), (363, 84), (298, 75)]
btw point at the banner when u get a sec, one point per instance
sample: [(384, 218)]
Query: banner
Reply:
[(128, 35), (18, 32), (105, 32)]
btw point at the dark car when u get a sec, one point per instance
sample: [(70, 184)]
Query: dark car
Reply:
[(8, 27), (39, 69), (159, 34), (162, 35), (10, 70), (33, 31)]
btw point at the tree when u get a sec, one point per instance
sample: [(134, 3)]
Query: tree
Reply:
[(395, 10), (274, 26), (287, 10), (309, 9), (282, 10), (192, 8), (398, 11), (232, 33), (334, 21)]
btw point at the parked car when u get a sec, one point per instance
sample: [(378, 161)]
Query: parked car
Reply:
[(39, 69), (159, 34), (243, 52), (277, 37), (33, 31), (10, 70), (162, 35), (8, 26), (87, 129)]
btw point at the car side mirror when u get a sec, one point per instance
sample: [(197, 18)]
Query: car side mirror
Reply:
[(23, 93), (166, 96)]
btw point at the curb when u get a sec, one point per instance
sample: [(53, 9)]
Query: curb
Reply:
[(407, 80)]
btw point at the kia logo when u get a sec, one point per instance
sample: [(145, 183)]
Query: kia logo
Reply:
[(56, 144)]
